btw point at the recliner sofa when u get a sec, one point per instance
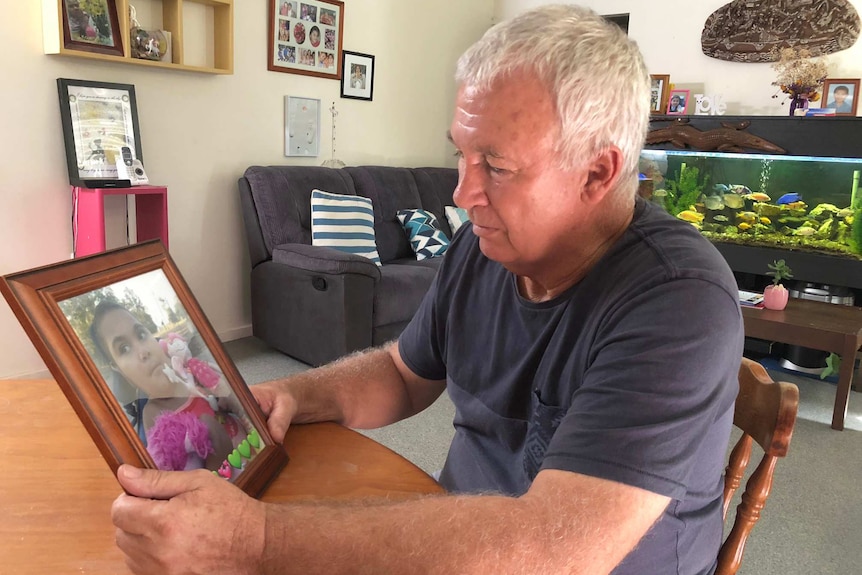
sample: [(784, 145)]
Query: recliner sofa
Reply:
[(318, 303)]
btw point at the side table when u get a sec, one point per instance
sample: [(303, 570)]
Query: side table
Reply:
[(151, 209)]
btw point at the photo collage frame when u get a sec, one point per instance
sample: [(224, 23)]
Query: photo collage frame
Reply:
[(305, 37)]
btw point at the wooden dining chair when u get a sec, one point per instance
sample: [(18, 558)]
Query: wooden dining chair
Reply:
[(766, 413)]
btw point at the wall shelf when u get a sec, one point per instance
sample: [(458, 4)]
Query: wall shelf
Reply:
[(172, 12)]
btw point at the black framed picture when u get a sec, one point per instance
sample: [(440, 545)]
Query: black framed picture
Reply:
[(357, 82), (99, 119)]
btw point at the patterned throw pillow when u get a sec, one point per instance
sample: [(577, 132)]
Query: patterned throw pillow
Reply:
[(426, 237), (457, 217), (345, 223)]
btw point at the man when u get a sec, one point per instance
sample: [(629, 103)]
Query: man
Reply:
[(840, 100), (589, 341)]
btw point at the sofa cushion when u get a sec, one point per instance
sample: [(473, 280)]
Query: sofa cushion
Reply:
[(457, 217), (345, 223), (424, 233), (400, 291)]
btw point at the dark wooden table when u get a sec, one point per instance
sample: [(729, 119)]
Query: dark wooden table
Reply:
[(818, 325), (56, 490)]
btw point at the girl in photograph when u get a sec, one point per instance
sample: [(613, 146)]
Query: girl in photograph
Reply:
[(191, 418)]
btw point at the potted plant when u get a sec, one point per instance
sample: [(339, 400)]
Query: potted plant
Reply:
[(775, 296)]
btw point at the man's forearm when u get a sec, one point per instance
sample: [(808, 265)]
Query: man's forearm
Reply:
[(362, 390)]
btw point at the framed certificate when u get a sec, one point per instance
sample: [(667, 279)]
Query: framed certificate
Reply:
[(99, 119)]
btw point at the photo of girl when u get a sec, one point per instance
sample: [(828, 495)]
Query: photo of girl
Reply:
[(163, 376)]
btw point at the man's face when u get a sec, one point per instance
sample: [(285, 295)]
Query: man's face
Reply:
[(522, 206), (135, 353)]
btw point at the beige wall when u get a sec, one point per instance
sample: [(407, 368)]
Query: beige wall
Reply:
[(668, 33), (199, 133)]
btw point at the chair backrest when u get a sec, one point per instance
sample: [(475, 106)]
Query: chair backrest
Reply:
[(766, 413)]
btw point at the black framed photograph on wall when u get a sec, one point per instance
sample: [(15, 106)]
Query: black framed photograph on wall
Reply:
[(358, 79)]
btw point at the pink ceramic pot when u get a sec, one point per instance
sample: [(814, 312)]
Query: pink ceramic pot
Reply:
[(775, 297)]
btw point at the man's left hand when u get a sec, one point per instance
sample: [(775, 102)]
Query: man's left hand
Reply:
[(187, 522)]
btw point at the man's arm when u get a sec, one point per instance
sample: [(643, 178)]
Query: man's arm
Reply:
[(565, 523), (364, 390)]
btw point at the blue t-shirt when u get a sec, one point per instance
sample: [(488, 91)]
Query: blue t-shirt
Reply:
[(630, 375)]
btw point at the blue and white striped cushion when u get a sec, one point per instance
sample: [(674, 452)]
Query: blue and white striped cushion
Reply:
[(345, 223), (457, 217)]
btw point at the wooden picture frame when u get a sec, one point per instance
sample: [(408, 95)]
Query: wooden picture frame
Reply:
[(357, 82), (848, 104), (305, 37), (140, 364), (99, 118), (659, 90), (96, 29), (679, 108)]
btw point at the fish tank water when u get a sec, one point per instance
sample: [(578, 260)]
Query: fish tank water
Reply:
[(805, 203)]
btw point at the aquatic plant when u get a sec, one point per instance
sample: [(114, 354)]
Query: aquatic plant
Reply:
[(683, 192), (780, 271)]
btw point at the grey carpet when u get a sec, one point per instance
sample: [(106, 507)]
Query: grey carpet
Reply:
[(811, 523)]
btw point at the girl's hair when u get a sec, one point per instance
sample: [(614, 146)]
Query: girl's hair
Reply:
[(102, 309), (589, 65)]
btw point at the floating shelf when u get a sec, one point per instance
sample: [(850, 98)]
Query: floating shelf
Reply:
[(172, 21)]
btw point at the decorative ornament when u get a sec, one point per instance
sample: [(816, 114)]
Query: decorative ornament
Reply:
[(755, 30), (799, 76), (333, 162), (729, 138), (709, 105)]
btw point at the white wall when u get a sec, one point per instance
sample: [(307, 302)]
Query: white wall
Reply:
[(199, 133), (668, 33)]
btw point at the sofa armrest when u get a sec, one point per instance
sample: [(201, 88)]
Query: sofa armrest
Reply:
[(324, 260)]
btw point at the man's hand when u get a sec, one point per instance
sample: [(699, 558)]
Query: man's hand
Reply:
[(187, 522), (277, 404)]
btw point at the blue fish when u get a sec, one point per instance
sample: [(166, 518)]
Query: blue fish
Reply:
[(721, 188), (789, 198)]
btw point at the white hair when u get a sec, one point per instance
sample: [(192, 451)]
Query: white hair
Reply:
[(591, 67)]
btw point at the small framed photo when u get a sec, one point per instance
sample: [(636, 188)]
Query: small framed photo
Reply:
[(659, 89), (141, 365), (301, 126), (677, 103), (358, 79), (305, 37), (841, 94), (99, 119), (92, 26)]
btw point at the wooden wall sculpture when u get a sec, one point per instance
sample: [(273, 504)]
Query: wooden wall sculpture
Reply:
[(754, 30)]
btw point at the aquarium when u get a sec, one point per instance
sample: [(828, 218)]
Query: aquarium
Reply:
[(800, 203)]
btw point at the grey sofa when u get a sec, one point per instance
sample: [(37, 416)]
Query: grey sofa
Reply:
[(316, 303)]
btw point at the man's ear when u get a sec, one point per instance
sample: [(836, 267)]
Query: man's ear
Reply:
[(603, 174)]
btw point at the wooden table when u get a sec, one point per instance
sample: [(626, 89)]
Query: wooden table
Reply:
[(818, 325), (56, 490)]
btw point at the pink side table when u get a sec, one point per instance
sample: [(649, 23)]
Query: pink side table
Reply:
[(151, 209)]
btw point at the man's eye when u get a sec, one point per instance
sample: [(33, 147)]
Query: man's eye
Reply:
[(458, 154)]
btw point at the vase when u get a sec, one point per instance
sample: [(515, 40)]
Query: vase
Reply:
[(799, 102), (775, 297)]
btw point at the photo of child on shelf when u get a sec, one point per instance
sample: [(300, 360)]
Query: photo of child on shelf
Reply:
[(174, 394)]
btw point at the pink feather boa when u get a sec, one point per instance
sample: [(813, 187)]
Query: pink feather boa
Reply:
[(178, 441)]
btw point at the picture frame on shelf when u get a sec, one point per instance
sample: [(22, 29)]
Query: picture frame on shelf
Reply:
[(305, 37), (678, 102), (134, 354), (96, 29), (301, 126), (99, 119), (357, 81), (841, 94), (659, 90)]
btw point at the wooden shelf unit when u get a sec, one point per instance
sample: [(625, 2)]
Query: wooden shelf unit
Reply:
[(172, 16)]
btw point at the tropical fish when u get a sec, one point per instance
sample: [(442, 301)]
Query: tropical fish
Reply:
[(713, 203), (844, 212), (800, 205), (749, 217), (690, 216), (740, 189), (733, 201), (765, 221), (757, 197), (721, 218), (721, 188), (789, 198), (743, 226), (805, 231)]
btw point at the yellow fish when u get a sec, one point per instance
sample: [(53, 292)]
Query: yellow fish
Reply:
[(757, 197), (690, 216), (765, 221), (743, 226)]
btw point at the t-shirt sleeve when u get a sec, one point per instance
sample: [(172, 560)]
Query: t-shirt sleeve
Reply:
[(661, 376)]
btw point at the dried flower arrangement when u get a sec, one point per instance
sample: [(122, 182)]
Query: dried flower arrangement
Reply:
[(799, 75)]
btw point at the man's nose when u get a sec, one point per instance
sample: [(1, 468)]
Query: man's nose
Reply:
[(470, 191)]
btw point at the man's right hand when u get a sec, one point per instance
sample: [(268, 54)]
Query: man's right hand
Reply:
[(278, 404)]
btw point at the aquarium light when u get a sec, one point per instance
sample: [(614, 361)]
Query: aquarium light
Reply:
[(652, 154)]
